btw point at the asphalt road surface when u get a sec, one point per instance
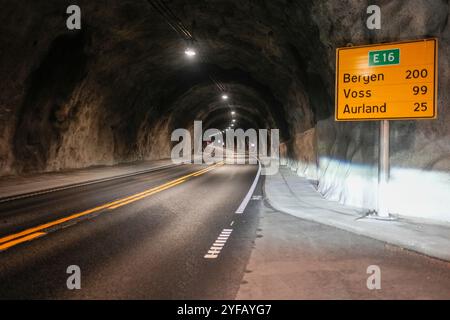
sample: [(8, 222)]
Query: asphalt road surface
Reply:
[(175, 234), (139, 237)]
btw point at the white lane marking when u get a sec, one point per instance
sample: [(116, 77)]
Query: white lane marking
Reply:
[(247, 198), (257, 197), (231, 224), (217, 246)]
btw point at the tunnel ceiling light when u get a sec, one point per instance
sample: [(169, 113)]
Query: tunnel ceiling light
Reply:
[(233, 113), (190, 52), (224, 97)]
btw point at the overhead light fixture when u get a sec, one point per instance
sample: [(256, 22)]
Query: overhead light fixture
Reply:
[(190, 52), (234, 120), (232, 124), (224, 97), (233, 113)]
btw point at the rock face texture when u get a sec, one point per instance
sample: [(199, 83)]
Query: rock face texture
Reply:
[(420, 150), (115, 90)]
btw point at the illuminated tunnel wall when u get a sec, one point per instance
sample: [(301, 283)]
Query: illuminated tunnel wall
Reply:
[(343, 157), (114, 91)]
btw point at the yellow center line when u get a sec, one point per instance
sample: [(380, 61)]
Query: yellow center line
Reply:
[(32, 233), (203, 172), (21, 240), (145, 195)]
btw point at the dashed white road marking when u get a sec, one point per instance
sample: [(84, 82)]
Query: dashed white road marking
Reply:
[(218, 244), (231, 224)]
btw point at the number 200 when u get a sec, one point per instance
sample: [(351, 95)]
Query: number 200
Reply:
[(415, 74)]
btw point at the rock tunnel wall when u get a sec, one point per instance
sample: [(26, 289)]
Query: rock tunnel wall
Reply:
[(114, 91), (64, 104), (345, 156)]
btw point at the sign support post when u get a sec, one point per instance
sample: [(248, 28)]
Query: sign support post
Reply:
[(383, 169)]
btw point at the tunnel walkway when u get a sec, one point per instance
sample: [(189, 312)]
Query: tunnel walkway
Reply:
[(298, 259), (289, 193), (27, 185)]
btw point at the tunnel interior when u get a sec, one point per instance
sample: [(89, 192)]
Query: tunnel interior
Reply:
[(125, 80), (114, 91)]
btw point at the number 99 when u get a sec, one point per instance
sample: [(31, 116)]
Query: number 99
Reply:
[(420, 90)]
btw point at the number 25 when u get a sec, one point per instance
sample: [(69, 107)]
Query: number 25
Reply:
[(420, 106)]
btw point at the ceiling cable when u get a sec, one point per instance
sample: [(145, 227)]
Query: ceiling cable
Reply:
[(171, 19), (219, 85), (174, 17)]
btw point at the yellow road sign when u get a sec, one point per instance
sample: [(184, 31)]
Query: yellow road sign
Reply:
[(391, 81)]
